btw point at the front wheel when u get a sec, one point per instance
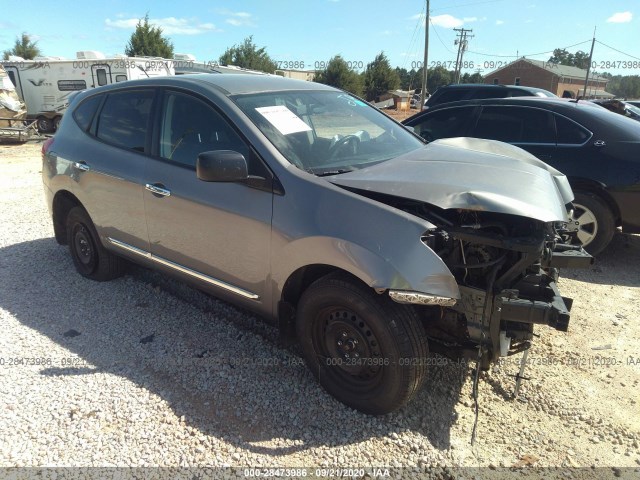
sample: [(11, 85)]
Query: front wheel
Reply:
[(90, 258), (366, 350), (593, 222)]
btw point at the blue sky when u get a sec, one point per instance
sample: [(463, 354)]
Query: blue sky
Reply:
[(312, 31)]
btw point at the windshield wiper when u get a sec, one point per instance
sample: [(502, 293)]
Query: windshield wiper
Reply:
[(337, 171)]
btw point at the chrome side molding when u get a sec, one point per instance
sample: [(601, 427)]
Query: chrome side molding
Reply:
[(168, 263)]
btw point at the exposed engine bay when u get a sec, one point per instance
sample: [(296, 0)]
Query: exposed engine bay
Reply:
[(506, 267)]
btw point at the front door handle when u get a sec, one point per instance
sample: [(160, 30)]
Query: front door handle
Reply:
[(81, 166), (158, 189)]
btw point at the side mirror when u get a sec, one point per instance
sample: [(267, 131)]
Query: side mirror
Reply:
[(221, 166)]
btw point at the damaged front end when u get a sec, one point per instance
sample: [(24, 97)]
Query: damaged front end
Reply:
[(506, 267), (496, 216)]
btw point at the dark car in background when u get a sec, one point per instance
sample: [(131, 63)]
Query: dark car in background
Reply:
[(598, 150), (621, 108), (470, 91)]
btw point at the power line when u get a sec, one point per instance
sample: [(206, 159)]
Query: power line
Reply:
[(413, 36), (438, 35), (527, 54), (619, 51)]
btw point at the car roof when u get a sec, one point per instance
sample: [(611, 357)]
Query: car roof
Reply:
[(248, 83), (552, 103), (236, 84)]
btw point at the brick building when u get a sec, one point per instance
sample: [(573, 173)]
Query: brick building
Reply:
[(562, 80)]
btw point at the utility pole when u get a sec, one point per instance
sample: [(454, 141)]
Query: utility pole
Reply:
[(462, 43), (586, 80), (423, 94)]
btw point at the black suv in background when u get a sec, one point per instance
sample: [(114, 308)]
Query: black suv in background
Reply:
[(471, 91), (599, 151)]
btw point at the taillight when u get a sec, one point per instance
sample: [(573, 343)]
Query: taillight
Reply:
[(47, 145)]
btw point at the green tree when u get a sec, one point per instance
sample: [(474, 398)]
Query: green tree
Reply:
[(147, 41), (471, 78), (581, 59), (627, 86), (561, 56), (379, 77), (248, 55), (339, 75), (24, 48), (437, 77)]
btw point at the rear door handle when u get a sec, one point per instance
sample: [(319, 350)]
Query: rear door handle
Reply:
[(81, 166), (158, 189)]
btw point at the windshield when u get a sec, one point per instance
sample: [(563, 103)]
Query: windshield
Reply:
[(326, 132), (635, 111)]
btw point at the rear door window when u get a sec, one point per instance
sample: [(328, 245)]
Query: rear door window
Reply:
[(124, 119), (450, 95), (445, 123), (516, 125)]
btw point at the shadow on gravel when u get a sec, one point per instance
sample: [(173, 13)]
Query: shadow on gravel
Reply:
[(618, 264), (219, 367)]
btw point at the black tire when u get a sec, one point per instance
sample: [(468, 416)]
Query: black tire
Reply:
[(90, 258), (389, 341), (44, 125), (596, 223)]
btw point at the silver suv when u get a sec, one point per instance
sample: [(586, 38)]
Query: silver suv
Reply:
[(315, 210)]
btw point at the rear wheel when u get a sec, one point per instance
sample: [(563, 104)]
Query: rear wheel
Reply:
[(592, 221), (90, 258), (44, 124), (366, 350)]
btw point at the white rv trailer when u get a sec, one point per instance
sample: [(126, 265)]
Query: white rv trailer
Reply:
[(46, 83), (186, 63)]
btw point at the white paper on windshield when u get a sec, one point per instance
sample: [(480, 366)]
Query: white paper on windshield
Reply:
[(283, 119)]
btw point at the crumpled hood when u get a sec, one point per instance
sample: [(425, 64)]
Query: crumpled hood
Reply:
[(470, 174)]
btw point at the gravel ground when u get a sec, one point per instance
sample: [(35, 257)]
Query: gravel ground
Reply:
[(145, 371)]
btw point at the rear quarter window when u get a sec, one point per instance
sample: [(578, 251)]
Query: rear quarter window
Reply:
[(84, 113), (569, 132)]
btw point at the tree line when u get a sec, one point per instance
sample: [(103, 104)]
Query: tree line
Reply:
[(377, 78)]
